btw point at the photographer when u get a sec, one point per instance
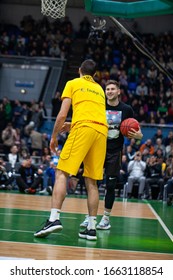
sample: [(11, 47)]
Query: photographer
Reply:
[(154, 179), (5, 179), (9, 137), (136, 169)]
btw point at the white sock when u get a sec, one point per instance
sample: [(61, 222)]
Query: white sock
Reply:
[(54, 214), (106, 215), (91, 222)]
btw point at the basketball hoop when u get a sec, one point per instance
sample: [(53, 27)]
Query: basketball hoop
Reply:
[(53, 8)]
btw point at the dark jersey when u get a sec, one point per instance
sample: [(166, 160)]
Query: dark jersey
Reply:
[(115, 115)]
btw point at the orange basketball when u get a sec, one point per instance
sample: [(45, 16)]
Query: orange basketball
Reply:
[(127, 125)]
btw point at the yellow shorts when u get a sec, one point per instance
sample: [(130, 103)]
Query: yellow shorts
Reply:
[(84, 144)]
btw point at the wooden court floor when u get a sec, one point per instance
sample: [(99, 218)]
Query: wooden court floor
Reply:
[(141, 230)]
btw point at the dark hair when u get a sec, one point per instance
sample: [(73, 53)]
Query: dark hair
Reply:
[(109, 82), (88, 67)]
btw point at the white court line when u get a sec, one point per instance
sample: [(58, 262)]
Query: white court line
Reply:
[(161, 222), (13, 258), (32, 215)]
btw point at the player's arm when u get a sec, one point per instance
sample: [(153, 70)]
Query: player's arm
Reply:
[(66, 127), (135, 134), (61, 117)]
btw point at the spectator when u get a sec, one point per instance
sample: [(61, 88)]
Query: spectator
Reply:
[(8, 110), (168, 139), (133, 73), (2, 118), (142, 116), (169, 149), (84, 28), (5, 179), (152, 100), (162, 111), (159, 145), (29, 179), (9, 137), (36, 140), (170, 192), (48, 179), (130, 153), (17, 114), (152, 75), (148, 144), (142, 88), (157, 135), (13, 156), (154, 177), (56, 104), (136, 169), (170, 113)]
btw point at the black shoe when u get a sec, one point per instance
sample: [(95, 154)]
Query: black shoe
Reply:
[(49, 190), (89, 234), (139, 196), (48, 228)]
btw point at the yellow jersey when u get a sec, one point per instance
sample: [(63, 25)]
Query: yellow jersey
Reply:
[(88, 103)]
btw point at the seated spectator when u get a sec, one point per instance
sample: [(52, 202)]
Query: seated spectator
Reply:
[(169, 149), (159, 145), (170, 113), (152, 75), (154, 178), (142, 115), (5, 180), (148, 144), (45, 152), (170, 192), (29, 179), (162, 111), (142, 88), (48, 179), (169, 180), (136, 169), (168, 139), (130, 153), (152, 117), (145, 154), (152, 101), (158, 134), (13, 156)]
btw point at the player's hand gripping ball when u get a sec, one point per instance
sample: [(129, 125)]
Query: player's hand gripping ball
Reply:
[(129, 124)]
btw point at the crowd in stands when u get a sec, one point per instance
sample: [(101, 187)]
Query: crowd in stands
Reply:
[(143, 86), (149, 91)]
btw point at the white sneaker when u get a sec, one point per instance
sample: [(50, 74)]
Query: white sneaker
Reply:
[(104, 224), (84, 224), (44, 191)]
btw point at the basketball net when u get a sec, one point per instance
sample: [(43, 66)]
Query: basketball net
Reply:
[(53, 8)]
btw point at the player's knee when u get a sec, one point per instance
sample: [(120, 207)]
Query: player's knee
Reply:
[(111, 182)]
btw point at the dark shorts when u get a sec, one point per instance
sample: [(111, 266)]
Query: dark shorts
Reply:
[(113, 163)]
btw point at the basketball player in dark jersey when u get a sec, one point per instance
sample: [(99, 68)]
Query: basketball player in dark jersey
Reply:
[(116, 112)]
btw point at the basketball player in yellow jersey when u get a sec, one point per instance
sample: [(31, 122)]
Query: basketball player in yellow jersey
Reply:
[(86, 143)]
